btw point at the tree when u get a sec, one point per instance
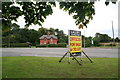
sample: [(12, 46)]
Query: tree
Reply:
[(117, 39), (88, 41), (52, 31), (103, 37), (96, 39), (36, 12), (82, 11), (42, 31), (33, 37), (15, 26), (9, 13), (62, 38)]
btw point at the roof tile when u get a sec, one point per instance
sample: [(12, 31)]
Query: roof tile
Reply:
[(48, 37)]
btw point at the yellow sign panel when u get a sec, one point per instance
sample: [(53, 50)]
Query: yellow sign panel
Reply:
[(75, 44)]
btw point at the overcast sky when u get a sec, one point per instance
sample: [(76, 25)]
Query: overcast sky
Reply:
[(102, 21)]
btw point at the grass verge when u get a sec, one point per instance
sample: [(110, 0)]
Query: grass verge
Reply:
[(49, 67)]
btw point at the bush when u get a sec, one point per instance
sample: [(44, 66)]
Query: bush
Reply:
[(88, 45), (41, 45), (5, 45), (57, 45), (53, 45), (61, 45), (16, 45), (111, 44)]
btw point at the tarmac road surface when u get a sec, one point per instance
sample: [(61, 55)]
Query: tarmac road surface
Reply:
[(59, 52)]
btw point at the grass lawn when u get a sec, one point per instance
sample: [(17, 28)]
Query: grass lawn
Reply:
[(49, 67)]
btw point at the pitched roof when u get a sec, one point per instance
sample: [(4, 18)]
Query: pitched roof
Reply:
[(48, 37)]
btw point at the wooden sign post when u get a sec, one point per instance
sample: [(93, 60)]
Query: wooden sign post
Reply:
[(74, 46)]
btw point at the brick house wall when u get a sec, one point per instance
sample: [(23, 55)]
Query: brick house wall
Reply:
[(48, 41)]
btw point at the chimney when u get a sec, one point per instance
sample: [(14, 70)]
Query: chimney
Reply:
[(48, 34)]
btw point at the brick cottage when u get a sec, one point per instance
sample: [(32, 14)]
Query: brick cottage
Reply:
[(48, 39)]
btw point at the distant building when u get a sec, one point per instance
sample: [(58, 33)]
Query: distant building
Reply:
[(48, 39)]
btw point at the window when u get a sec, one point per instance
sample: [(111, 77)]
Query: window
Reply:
[(44, 42), (44, 39), (51, 39)]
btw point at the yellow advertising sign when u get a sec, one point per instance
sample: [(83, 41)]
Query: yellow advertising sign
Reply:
[(75, 44)]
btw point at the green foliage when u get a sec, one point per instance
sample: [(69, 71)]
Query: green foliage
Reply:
[(57, 45), (33, 36), (53, 45), (100, 38), (9, 13), (41, 45), (52, 31), (16, 45), (61, 45), (23, 35), (33, 12), (62, 38), (36, 12), (88, 42), (42, 31), (111, 44), (82, 11), (108, 1), (103, 37), (96, 41), (117, 39)]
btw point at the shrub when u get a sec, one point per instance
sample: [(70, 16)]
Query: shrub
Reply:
[(53, 45), (61, 45), (111, 44), (16, 45), (5, 45), (41, 45), (57, 45)]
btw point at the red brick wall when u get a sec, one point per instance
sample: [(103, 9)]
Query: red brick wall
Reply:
[(48, 41)]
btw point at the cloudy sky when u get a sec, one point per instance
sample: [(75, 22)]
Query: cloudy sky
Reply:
[(102, 20)]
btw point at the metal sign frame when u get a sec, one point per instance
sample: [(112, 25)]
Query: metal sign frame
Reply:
[(74, 53)]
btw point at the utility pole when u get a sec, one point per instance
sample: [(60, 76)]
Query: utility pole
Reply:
[(113, 33), (81, 27), (84, 37)]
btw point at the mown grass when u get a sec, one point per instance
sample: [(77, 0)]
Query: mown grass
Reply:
[(49, 67)]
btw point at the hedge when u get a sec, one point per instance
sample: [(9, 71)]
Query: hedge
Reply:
[(53, 45), (41, 46), (61, 44), (16, 45)]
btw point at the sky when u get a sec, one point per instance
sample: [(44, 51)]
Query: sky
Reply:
[(101, 23)]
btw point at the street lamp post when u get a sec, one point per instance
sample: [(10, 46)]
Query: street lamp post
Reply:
[(84, 37), (113, 33), (81, 27)]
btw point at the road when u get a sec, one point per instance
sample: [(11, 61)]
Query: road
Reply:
[(59, 52)]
